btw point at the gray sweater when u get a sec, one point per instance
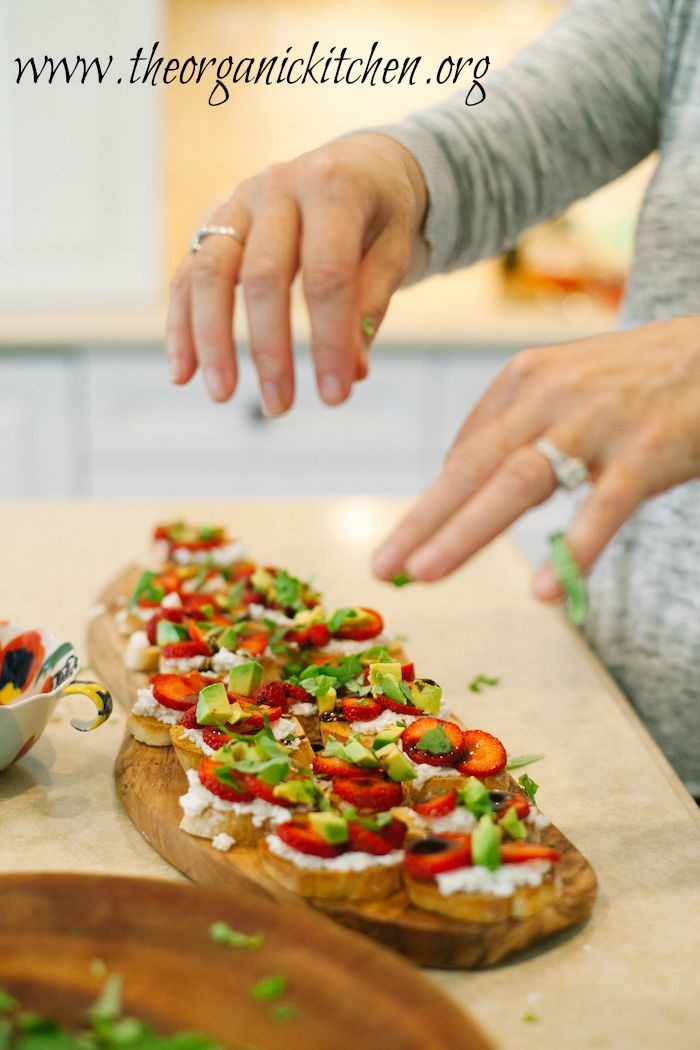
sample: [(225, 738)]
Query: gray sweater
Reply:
[(608, 83)]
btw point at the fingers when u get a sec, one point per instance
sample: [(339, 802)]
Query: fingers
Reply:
[(182, 359), (382, 270), (330, 260), (619, 490), (269, 266), (467, 468), (524, 480)]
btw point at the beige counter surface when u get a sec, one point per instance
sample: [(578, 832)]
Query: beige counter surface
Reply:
[(629, 977)]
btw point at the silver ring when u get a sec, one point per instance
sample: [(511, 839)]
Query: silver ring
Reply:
[(207, 231), (570, 471)]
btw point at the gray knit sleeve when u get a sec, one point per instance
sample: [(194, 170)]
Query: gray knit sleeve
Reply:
[(570, 113)]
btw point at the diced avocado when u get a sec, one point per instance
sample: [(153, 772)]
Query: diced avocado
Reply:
[(308, 617), (326, 703), (426, 695), (213, 707), (512, 825), (167, 632), (386, 684), (474, 797), (331, 826), (229, 639), (396, 764), (302, 791), (210, 532), (393, 670), (388, 735), (358, 754), (245, 678), (262, 580), (486, 844)]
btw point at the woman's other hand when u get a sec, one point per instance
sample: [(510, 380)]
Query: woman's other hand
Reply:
[(627, 404)]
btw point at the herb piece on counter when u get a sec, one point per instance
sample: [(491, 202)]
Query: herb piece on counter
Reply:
[(284, 1011), (222, 933), (401, 579), (518, 761), (569, 578), (481, 680), (530, 1018), (269, 987), (529, 787)]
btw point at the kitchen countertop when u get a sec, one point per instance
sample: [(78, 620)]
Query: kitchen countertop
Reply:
[(629, 976)]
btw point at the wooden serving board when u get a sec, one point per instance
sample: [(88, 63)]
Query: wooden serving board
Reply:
[(343, 992), (150, 781)]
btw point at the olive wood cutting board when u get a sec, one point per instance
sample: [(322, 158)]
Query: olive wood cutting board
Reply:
[(61, 935), (150, 780)]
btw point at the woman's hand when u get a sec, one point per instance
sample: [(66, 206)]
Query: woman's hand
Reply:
[(348, 216), (627, 403)]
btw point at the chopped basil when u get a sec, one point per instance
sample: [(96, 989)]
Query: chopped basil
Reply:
[(222, 933), (518, 761), (401, 579), (569, 578), (288, 591), (530, 1018), (109, 1005), (339, 617), (284, 1011), (7, 1003), (146, 588), (235, 594), (529, 787), (435, 741), (480, 680), (269, 987)]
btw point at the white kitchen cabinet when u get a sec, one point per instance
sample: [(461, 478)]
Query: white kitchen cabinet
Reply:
[(79, 206), (36, 427)]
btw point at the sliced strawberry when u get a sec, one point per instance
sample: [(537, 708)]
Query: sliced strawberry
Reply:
[(372, 625), (214, 738), (485, 754), (394, 833), (177, 692), (437, 807), (519, 852), (184, 650), (265, 791), (408, 672), (300, 836), (169, 580), (365, 841), (272, 693), (209, 780), (189, 719), (255, 644), (243, 570), (195, 632), (398, 707), (428, 857), (413, 735), (172, 615), (368, 792), (193, 604), (255, 715), (319, 635), (360, 708), (295, 694), (328, 766), (502, 801)]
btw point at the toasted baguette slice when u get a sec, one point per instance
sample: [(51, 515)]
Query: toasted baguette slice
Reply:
[(482, 907), (339, 730), (325, 883), (190, 754), (438, 785), (245, 822), (149, 730)]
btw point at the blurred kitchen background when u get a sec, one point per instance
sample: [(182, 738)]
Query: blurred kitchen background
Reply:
[(102, 186)]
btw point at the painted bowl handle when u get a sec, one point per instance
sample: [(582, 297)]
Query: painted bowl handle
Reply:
[(100, 697)]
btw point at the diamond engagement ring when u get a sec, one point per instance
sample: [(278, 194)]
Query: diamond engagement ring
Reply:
[(207, 231), (570, 471)]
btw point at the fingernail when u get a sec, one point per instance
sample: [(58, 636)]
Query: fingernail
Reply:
[(544, 583), (332, 390), (386, 562), (425, 565), (175, 369), (215, 383), (273, 399)]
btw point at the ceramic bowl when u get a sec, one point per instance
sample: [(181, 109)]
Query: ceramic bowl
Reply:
[(36, 670)]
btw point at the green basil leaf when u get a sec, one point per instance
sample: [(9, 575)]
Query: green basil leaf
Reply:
[(569, 578)]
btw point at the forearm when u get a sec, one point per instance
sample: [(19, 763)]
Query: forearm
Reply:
[(569, 114)]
